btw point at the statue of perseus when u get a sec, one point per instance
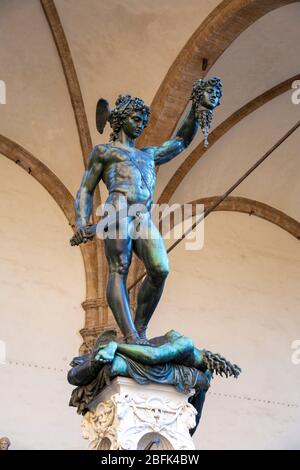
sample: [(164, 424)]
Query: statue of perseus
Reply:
[(129, 175)]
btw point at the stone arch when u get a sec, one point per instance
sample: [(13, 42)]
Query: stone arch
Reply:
[(237, 204), (215, 34), (186, 166), (252, 207), (57, 190)]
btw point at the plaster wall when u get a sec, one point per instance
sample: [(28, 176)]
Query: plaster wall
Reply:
[(239, 296)]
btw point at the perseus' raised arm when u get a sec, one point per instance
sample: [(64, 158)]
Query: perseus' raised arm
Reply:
[(91, 177), (206, 95), (185, 134), (188, 129)]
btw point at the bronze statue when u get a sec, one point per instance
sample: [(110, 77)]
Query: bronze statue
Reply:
[(171, 359), (129, 175)]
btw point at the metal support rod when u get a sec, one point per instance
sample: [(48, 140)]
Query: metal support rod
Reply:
[(226, 194)]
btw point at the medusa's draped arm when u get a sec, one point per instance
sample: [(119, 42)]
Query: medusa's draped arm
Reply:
[(176, 349)]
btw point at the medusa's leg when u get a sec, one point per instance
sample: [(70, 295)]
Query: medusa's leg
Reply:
[(173, 351)]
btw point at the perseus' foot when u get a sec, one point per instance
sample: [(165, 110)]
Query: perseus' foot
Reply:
[(133, 339), (106, 352), (143, 341), (142, 335)]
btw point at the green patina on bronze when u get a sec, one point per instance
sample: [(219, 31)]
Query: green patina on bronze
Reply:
[(171, 359), (129, 175)]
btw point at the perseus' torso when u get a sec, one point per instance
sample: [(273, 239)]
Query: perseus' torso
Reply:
[(130, 172)]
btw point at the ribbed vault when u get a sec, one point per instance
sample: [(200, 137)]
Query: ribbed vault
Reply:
[(57, 190), (224, 24), (186, 166), (211, 39)]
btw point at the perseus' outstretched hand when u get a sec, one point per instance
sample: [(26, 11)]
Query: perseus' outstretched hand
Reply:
[(82, 235)]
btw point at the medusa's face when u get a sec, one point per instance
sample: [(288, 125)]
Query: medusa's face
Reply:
[(135, 123), (210, 97)]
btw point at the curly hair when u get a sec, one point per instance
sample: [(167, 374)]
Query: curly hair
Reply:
[(200, 86), (125, 105), (218, 364)]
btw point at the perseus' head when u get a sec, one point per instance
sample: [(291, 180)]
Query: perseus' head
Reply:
[(130, 114), (208, 93)]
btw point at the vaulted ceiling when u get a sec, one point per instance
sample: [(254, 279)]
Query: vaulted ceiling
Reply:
[(59, 56)]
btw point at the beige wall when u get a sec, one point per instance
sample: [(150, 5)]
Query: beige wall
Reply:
[(126, 47), (239, 296), (41, 288), (38, 113), (260, 58), (276, 182)]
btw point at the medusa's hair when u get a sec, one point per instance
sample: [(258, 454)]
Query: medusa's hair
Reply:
[(200, 86), (216, 363), (125, 105), (204, 115)]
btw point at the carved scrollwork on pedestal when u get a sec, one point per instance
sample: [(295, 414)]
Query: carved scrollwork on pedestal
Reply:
[(99, 424), (124, 419)]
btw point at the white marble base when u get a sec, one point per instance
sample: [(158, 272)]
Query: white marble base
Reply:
[(126, 415)]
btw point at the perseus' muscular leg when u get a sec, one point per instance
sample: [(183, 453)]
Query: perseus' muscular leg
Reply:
[(118, 253), (152, 252)]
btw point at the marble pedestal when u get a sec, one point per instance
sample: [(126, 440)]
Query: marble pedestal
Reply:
[(126, 415)]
